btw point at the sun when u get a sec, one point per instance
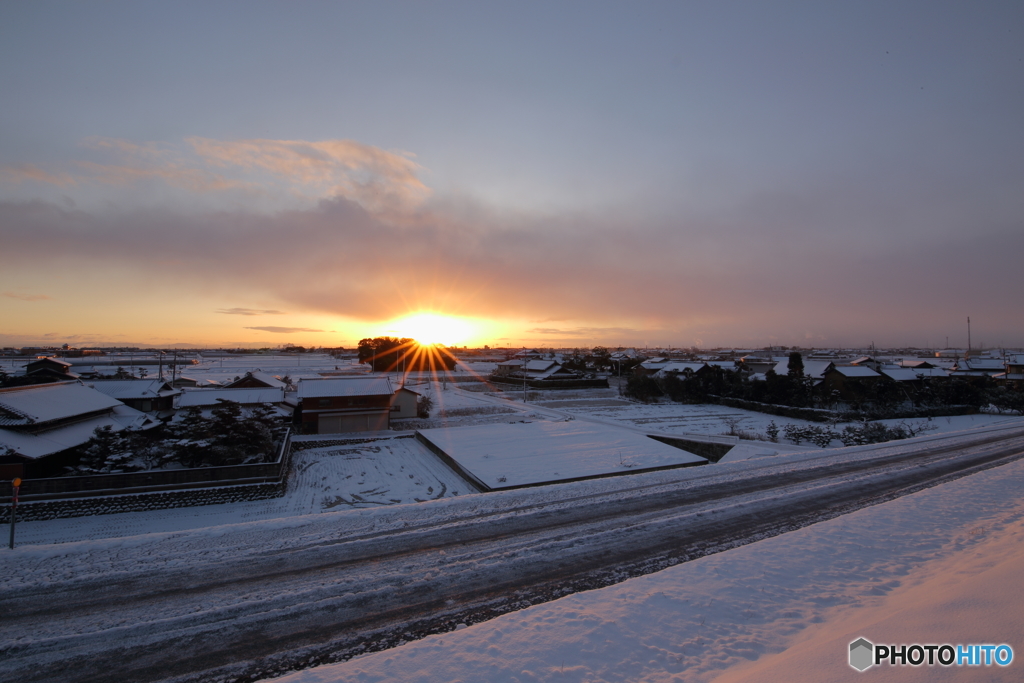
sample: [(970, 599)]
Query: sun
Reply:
[(434, 328)]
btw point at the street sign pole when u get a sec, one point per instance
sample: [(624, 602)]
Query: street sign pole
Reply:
[(16, 484)]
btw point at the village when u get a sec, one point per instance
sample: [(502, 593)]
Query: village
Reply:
[(137, 429)]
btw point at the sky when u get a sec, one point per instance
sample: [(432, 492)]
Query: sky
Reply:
[(544, 174)]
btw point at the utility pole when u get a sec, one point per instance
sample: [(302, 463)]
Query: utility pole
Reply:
[(968, 336)]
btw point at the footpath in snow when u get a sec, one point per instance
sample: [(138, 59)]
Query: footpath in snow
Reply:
[(939, 566)]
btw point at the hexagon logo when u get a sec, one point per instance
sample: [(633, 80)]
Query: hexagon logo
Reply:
[(862, 654)]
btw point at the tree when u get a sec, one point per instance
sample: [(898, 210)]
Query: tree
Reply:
[(796, 365), (389, 354), (424, 407), (643, 388)]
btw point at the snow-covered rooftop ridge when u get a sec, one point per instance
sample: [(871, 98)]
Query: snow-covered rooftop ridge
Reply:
[(133, 388), (812, 368), (265, 378), (855, 371), (681, 367), (43, 403), (345, 386), (212, 397), (77, 433)]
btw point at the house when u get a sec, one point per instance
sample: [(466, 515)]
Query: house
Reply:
[(51, 367), (680, 368), (977, 369), (345, 404), (255, 380), (534, 370), (651, 366), (41, 421), (509, 368), (1014, 372), (405, 404), (815, 369), (917, 364), (145, 395), (867, 361), (208, 399), (547, 369), (851, 382)]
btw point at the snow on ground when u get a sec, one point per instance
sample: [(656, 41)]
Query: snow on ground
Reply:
[(939, 566), (389, 471), (507, 455)]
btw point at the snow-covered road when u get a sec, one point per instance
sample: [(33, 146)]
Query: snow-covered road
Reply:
[(293, 588)]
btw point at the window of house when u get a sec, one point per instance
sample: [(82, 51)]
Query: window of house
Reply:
[(325, 403)]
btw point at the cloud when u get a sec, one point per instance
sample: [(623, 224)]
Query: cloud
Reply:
[(384, 182), (24, 172), (343, 168), (590, 332), (848, 266), (248, 311), (282, 330), (27, 297)]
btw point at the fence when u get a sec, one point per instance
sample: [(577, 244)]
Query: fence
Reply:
[(153, 480)]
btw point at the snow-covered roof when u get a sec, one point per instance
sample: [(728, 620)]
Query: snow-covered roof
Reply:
[(852, 371), (539, 365), (41, 403), (984, 364), (51, 361), (51, 441), (263, 377), (345, 386), (123, 389), (680, 367), (812, 368), (212, 397), (901, 374)]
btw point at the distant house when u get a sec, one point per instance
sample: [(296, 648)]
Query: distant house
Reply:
[(650, 366), (509, 367), (547, 369), (39, 422), (1014, 372), (346, 404), (208, 399), (534, 370), (852, 382), (867, 361), (255, 380), (978, 367), (676, 368), (146, 395), (52, 368), (815, 369)]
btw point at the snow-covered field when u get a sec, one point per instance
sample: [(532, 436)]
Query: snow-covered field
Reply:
[(518, 454), (939, 566)]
